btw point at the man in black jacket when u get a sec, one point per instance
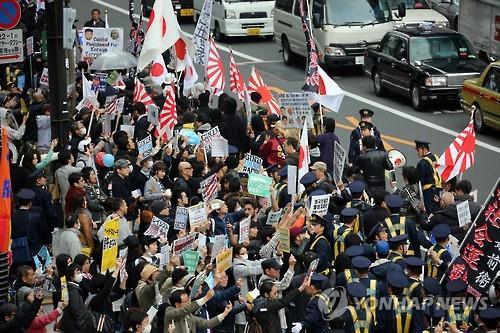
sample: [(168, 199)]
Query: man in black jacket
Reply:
[(95, 21), (120, 187), (373, 163), (142, 124)]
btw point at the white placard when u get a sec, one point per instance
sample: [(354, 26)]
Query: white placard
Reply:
[(181, 218), (164, 256), (220, 147), (44, 78), (145, 146), (292, 179), (158, 228), (463, 213), (244, 230), (97, 41), (153, 113), (201, 34), (197, 214), (30, 49), (218, 245), (208, 136), (296, 108), (11, 46), (319, 204), (252, 164), (338, 162), (183, 243)]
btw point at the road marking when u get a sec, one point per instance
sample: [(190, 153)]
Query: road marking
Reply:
[(347, 93), (259, 62), (387, 145)]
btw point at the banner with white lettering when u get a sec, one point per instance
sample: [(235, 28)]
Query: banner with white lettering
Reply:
[(201, 34), (338, 162), (97, 41)]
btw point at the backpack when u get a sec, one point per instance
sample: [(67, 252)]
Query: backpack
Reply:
[(130, 301), (100, 323), (253, 326)]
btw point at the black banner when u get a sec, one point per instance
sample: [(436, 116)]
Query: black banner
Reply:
[(312, 75), (479, 260)]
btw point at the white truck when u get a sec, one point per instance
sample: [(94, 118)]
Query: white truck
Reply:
[(232, 18), (479, 21)]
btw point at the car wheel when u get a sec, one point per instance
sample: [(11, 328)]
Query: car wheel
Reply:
[(288, 55), (377, 84), (416, 98), (478, 119), (219, 36)]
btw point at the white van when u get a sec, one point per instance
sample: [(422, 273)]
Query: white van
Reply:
[(231, 18), (342, 29), (417, 11)]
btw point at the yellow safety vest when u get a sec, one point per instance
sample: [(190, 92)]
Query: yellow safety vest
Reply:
[(409, 290), (462, 316), (361, 325), (339, 244), (279, 188), (396, 258), (396, 229), (402, 326), (430, 269), (437, 178), (355, 228), (313, 246)]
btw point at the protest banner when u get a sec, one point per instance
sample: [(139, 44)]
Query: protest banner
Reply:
[(319, 204), (145, 146), (181, 218), (208, 136), (99, 82), (224, 260), (283, 239), (297, 109), (110, 244), (292, 179), (244, 234), (197, 215), (220, 147), (97, 41), (208, 188), (273, 217), (190, 259), (463, 213), (157, 228), (183, 243), (479, 261), (44, 78), (201, 34), (164, 256), (259, 185), (338, 162), (252, 164), (218, 245)]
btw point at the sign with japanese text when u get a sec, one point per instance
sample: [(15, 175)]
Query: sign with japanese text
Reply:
[(208, 136), (181, 218), (202, 33), (197, 215), (224, 259), (273, 217), (259, 185), (97, 41), (252, 164), (463, 213), (244, 230), (145, 146), (44, 78), (297, 109), (319, 204), (157, 228), (283, 239), (479, 260), (218, 245), (338, 162), (190, 259), (183, 243), (164, 256), (110, 244), (11, 46)]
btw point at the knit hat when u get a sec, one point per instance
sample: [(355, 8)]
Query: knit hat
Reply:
[(147, 271)]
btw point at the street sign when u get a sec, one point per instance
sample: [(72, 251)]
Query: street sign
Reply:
[(30, 49), (10, 14), (11, 44)]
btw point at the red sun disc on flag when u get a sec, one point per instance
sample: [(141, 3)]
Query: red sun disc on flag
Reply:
[(151, 19), (180, 49), (156, 69), (265, 93)]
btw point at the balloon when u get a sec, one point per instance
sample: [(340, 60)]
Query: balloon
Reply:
[(191, 136), (108, 160), (99, 158)]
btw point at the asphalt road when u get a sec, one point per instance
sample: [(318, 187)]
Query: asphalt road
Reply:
[(394, 116)]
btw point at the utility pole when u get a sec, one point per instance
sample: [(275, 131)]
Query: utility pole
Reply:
[(57, 72)]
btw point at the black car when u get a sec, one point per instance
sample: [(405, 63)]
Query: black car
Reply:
[(426, 64)]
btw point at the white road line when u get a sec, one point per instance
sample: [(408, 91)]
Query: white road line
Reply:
[(347, 93)]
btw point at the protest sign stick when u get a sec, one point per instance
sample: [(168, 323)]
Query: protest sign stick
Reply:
[(117, 121), (91, 120)]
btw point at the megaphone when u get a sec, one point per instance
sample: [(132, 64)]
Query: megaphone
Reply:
[(397, 158)]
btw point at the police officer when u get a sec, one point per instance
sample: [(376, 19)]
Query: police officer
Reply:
[(282, 196), (314, 321), (398, 246), (414, 271), (377, 233), (459, 313), (429, 177), (397, 316), (309, 182), (319, 244), (438, 257), (357, 189), (358, 318), (356, 270), (348, 217), (365, 128), (490, 318)]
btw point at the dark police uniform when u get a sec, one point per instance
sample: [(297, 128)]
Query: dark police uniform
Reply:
[(436, 271), (355, 145), (458, 313), (320, 245), (282, 196), (340, 233), (395, 256), (415, 288), (307, 180), (429, 177), (359, 318), (313, 321)]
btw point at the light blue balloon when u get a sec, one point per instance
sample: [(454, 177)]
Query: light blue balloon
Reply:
[(108, 160), (192, 137)]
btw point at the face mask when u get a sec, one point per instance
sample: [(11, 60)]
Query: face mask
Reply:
[(147, 329), (83, 131), (78, 277), (130, 168), (244, 256)]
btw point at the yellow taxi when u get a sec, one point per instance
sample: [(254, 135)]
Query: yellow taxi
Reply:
[(483, 93)]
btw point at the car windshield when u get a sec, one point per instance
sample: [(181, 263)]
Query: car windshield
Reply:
[(356, 12), (440, 47), (410, 4)]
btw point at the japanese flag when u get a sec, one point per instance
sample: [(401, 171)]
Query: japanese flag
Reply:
[(158, 71)]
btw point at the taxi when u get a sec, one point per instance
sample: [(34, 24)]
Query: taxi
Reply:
[(483, 93)]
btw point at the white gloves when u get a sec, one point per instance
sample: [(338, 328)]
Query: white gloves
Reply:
[(296, 327)]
